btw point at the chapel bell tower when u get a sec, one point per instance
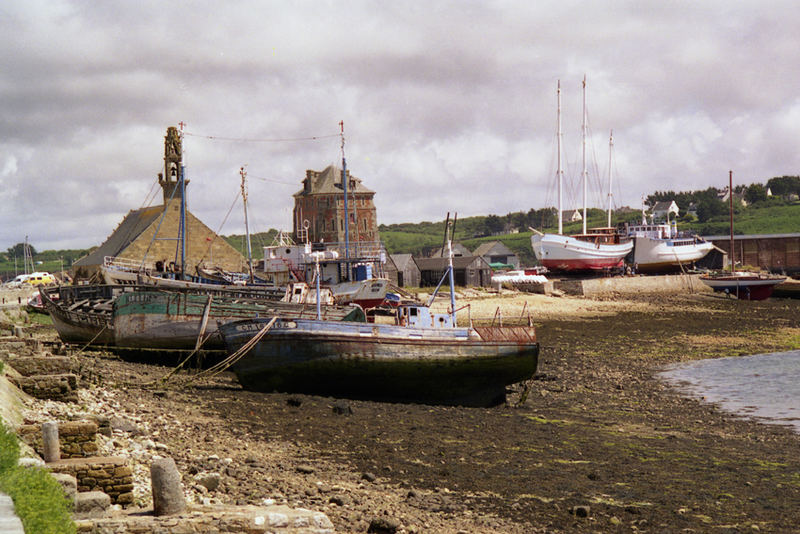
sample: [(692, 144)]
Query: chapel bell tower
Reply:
[(173, 163)]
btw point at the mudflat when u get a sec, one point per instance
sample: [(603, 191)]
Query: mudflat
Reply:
[(595, 442)]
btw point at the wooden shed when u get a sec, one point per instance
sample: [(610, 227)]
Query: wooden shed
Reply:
[(467, 270), (773, 252), (496, 252), (408, 274), (458, 250)]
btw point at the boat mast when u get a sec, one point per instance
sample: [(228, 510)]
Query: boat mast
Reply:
[(560, 171), (243, 173), (584, 154), (610, 171), (346, 214), (27, 257), (450, 274), (183, 206), (730, 204)]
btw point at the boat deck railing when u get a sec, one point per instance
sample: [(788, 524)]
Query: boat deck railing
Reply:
[(126, 264), (357, 249)]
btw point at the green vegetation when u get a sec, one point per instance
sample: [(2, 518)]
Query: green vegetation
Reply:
[(51, 261), (771, 216), (39, 500), (779, 213), (257, 242)]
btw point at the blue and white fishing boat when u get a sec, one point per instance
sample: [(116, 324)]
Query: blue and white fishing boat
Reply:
[(422, 357)]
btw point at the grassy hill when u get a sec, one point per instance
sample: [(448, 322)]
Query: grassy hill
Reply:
[(419, 238), (410, 238)]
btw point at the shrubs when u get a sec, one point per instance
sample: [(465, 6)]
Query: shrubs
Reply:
[(39, 500), (9, 449)]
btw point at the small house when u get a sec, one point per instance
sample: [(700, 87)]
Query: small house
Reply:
[(662, 210), (407, 273), (467, 271), (458, 250), (571, 216), (498, 255)]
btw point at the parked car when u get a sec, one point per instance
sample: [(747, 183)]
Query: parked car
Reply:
[(40, 279), (18, 281)]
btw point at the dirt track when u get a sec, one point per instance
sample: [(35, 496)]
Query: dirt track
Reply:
[(596, 434)]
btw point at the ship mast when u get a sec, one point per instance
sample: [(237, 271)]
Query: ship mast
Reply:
[(585, 173), (730, 204), (243, 174), (346, 214), (610, 172), (183, 206), (560, 171)]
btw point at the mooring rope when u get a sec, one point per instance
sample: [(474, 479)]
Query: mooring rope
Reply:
[(92, 340), (215, 370)]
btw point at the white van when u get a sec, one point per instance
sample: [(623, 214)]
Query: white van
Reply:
[(18, 281)]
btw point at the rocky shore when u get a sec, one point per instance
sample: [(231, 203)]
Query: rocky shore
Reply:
[(596, 443)]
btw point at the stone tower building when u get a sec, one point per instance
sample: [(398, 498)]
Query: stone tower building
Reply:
[(173, 162), (150, 235), (319, 209)]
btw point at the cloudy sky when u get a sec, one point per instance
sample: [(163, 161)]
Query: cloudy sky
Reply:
[(447, 106)]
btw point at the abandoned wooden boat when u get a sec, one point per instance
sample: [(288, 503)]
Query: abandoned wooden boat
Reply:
[(130, 272), (161, 319), (421, 358), (83, 314)]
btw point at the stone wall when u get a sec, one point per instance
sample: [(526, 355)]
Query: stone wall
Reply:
[(208, 520), (78, 439), (44, 364), (621, 285), (52, 387), (111, 475)]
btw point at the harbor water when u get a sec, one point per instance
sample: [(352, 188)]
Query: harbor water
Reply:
[(764, 387)]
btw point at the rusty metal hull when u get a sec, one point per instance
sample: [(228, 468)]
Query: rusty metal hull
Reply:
[(455, 366)]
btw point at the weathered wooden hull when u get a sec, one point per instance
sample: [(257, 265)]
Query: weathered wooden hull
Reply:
[(174, 320), (82, 323), (458, 367)]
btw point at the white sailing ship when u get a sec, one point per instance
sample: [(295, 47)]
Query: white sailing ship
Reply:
[(601, 249)]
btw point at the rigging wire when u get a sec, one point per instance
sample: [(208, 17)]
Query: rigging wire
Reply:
[(272, 180), (148, 200), (263, 140), (216, 234)]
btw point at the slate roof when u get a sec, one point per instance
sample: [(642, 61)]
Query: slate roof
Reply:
[(131, 227), (663, 206), (458, 248), (440, 264), (497, 248), (325, 182), (401, 261)]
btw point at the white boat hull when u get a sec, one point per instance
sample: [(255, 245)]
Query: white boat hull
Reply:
[(566, 253), (653, 254)]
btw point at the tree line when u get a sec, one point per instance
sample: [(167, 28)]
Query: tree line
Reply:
[(708, 204)]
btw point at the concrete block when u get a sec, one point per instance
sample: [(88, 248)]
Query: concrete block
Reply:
[(92, 504)]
